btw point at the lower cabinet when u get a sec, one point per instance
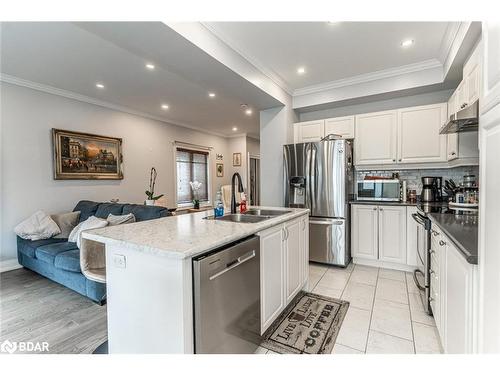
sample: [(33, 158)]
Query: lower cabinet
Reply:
[(379, 233), (452, 294), (284, 258)]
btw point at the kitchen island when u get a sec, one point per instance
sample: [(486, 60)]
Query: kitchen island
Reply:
[(149, 273)]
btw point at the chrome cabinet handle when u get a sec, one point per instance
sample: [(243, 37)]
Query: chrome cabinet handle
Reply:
[(432, 251), (393, 160), (431, 299), (435, 233), (381, 209), (374, 208), (442, 243), (400, 159), (431, 272)]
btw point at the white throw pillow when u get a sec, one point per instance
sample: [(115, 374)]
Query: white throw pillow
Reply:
[(38, 226), (120, 219), (91, 223)]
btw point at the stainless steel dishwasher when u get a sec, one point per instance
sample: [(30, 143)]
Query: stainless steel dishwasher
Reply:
[(226, 287)]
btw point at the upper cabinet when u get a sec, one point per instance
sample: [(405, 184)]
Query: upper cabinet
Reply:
[(419, 140), (309, 131), (340, 126), (376, 137), (314, 131)]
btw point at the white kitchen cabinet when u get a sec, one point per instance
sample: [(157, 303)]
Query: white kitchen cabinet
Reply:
[(365, 231), (293, 259), (309, 131), (284, 264), (376, 138), (452, 105), (272, 274), (342, 126), (378, 233), (419, 140), (411, 237), (392, 234), (472, 82), (458, 317), (304, 247), (461, 93)]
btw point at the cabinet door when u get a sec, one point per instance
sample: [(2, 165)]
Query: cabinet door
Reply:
[(461, 93), (343, 126), (452, 146), (376, 137), (309, 131), (272, 275), (472, 78), (304, 247), (364, 231), (452, 104), (293, 259), (459, 286), (392, 234), (419, 140), (411, 237)]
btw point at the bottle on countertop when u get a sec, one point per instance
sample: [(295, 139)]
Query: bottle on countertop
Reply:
[(404, 191), (243, 203), (219, 206)]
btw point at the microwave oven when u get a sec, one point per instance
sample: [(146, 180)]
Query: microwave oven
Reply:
[(378, 190)]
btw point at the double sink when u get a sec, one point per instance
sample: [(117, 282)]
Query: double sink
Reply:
[(251, 216)]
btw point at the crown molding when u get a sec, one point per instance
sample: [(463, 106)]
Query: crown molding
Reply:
[(449, 37), (369, 77), (87, 99), (268, 72)]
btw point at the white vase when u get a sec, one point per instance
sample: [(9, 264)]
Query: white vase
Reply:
[(149, 202)]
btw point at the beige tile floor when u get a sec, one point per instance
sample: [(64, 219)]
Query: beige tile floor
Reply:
[(385, 313)]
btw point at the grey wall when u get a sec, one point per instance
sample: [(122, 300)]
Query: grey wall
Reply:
[(27, 185), (382, 105)]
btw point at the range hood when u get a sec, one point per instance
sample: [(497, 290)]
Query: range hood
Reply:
[(465, 120)]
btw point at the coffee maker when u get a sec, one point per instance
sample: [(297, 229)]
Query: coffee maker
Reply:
[(431, 189)]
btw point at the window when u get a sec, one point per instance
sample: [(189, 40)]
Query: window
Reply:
[(192, 165)]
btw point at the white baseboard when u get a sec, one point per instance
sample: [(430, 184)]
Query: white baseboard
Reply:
[(9, 265), (388, 265)]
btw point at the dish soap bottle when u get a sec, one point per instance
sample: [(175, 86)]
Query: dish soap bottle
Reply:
[(219, 206), (243, 203)]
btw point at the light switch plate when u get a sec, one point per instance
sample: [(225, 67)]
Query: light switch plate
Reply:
[(120, 261)]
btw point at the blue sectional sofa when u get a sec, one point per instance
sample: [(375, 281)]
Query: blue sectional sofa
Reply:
[(59, 260)]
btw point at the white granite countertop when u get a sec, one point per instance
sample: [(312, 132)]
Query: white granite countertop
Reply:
[(184, 236)]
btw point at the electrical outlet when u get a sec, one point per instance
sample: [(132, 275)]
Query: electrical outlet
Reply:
[(120, 261)]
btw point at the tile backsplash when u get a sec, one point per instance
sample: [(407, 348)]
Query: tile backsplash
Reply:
[(413, 177)]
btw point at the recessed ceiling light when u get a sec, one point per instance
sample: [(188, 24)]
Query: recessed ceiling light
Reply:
[(99, 85), (407, 43), (150, 66), (248, 111), (301, 70), (164, 106), (333, 22), (235, 128), (211, 94)]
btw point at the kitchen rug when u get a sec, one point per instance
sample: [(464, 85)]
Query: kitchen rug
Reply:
[(309, 325)]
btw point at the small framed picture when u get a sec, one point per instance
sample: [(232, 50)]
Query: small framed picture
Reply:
[(220, 169), (237, 159)]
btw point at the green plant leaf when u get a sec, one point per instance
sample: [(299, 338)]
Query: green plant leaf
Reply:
[(157, 197)]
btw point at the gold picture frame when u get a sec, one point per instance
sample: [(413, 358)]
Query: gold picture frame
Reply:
[(237, 159), (84, 156)]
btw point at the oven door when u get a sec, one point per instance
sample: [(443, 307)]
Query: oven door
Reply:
[(421, 274)]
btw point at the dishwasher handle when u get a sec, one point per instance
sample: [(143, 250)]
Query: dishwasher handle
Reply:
[(233, 264)]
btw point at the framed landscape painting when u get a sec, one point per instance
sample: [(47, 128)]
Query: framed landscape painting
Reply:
[(82, 156)]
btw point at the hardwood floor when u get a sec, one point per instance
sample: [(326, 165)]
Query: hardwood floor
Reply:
[(33, 308)]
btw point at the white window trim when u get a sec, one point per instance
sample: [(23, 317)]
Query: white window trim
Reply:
[(190, 146)]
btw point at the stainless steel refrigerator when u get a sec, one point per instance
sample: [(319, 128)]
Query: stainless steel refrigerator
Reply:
[(319, 176)]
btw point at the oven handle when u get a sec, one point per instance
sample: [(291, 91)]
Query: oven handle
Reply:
[(418, 218), (416, 280)]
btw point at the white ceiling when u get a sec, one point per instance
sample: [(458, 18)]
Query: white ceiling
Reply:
[(331, 51), (73, 57)]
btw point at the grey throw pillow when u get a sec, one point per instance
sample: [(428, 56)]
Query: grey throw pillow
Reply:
[(120, 219), (66, 222)]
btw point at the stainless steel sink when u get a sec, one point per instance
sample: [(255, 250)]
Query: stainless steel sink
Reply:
[(240, 218), (264, 212)]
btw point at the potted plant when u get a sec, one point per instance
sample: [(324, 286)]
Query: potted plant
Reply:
[(150, 194), (195, 186)]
